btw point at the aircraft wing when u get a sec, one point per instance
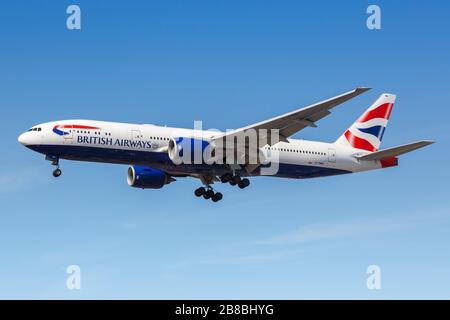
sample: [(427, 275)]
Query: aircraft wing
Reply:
[(291, 122)]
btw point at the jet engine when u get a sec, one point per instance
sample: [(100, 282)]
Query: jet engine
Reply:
[(184, 150), (147, 178)]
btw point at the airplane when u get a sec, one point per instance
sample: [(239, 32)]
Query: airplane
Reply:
[(153, 152)]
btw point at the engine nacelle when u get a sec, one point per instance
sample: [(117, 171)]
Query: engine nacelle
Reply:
[(147, 178), (185, 150)]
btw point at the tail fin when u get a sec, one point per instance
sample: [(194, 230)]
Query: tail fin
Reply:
[(367, 132)]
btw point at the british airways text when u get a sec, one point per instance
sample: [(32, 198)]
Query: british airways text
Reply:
[(114, 142)]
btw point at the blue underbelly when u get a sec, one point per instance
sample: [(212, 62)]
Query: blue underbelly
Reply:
[(161, 160)]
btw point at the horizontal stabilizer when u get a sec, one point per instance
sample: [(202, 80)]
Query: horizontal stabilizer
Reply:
[(395, 151)]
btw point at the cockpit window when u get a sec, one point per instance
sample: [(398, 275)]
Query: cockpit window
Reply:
[(35, 129)]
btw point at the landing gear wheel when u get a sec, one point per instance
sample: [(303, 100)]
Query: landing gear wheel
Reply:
[(226, 178), (199, 192), (217, 197), (244, 183), (57, 172), (236, 180), (208, 194)]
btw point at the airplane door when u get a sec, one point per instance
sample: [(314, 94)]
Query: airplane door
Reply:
[(68, 136), (136, 135), (331, 155)]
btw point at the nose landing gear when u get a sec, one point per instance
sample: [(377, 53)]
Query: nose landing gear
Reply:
[(55, 162), (57, 172)]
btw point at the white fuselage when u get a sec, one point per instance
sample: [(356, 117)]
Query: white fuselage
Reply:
[(143, 144)]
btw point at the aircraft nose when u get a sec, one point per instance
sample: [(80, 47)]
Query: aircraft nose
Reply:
[(23, 139)]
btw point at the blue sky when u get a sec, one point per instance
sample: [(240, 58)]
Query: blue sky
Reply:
[(228, 63)]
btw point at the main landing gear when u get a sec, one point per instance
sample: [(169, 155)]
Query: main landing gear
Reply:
[(208, 193), (235, 180)]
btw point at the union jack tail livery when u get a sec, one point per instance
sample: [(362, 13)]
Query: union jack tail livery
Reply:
[(367, 132)]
